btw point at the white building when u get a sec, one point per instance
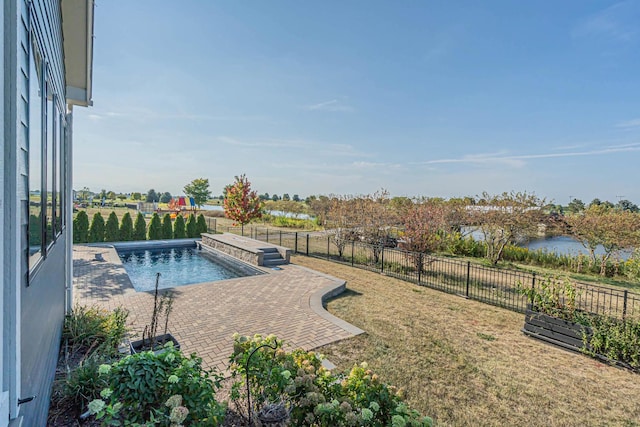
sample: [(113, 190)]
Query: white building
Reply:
[(47, 48)]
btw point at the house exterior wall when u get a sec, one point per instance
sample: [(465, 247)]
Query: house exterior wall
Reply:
[(32, 298)]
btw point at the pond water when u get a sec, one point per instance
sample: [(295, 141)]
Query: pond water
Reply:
[(274, 213)]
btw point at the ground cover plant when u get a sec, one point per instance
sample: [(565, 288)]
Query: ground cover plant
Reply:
[(466, 363)]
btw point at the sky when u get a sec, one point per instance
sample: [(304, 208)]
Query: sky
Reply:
[(421, 98)]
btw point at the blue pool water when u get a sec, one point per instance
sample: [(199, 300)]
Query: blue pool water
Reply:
[(177, 267)]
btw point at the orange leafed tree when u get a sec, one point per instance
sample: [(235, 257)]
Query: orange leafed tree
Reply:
[(241, 204)]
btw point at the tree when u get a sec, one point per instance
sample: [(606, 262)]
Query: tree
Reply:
[(179, 231), (320, 207), (505, 219), (96, 230), (166, 197), (423, 223), (191, 227), (626, 205), (201, 225), (296, 198), (611, 229), (136, 196), (152, 196), (575, 206), (139, 228), (167, 227), (81, 228), (265, 196), (241, 204), (121, 196), (103, 194), (595, 202), (340, 221), (286, 197), (126, 228), (111, 195), (84, 194), (111, 232), (199, 190), (275, 198), (155, 227), (372, 219)]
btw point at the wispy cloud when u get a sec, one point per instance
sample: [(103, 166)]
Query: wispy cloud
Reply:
[(331, 105), (617, 22), (143, 114), (519, 160), (635, 123), (266, 143)]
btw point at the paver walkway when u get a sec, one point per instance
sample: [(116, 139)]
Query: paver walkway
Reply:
[(287, 303)]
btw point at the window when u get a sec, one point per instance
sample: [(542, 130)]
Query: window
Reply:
[(36, 111), (49, 167), (59, 214)]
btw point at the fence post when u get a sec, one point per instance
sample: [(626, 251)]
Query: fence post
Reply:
[(307, 244), (420, 262), (215, 225), (267, 234), (280, 238), (352, 245), (382, 260), (624, 305), (295, 247), (328, 247), (468, 277), (533, 287)]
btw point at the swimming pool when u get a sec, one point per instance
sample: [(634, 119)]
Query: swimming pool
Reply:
[(179, 266)]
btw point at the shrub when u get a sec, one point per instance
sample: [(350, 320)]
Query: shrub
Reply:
[(191, 227), (96, 230), (167, 227), (139, 228), (617, 339), (111, 232), (179, 231), (126, 228), (314, 395), (142, 387), (155, 227), (201, 225), (94, 329), (81, 228), (35, 226)]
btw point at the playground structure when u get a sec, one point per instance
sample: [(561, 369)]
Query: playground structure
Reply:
[(181, 205)]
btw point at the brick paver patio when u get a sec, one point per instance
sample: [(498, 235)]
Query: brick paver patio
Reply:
[(287, 303)]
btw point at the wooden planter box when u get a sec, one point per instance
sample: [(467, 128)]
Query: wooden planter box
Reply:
[(161, 340), (556, 331)]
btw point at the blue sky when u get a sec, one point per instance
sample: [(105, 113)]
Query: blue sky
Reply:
[(434, 98)]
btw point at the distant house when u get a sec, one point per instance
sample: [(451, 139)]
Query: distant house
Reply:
[(47, 48)]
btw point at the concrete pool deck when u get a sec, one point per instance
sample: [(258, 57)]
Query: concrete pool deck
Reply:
[(286, 303)]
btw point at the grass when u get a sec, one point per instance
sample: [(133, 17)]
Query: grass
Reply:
[(467, 363)]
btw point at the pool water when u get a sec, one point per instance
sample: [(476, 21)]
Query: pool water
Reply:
[(177, 267)]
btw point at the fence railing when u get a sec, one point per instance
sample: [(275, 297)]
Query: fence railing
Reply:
[(491, 285)]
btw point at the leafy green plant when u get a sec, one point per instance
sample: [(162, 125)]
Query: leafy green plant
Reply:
[(90, 329), (616, 339), (141, 387), (314, 396), (553, 296)]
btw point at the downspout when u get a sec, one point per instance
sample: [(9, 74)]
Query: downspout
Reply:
[(69, 211)]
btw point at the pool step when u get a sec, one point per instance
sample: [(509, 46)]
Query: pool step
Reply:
[(272, 257)]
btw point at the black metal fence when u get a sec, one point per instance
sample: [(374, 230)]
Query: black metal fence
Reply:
[(491, 285)]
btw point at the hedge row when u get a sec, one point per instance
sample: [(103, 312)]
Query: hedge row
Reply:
[(128, 230)]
